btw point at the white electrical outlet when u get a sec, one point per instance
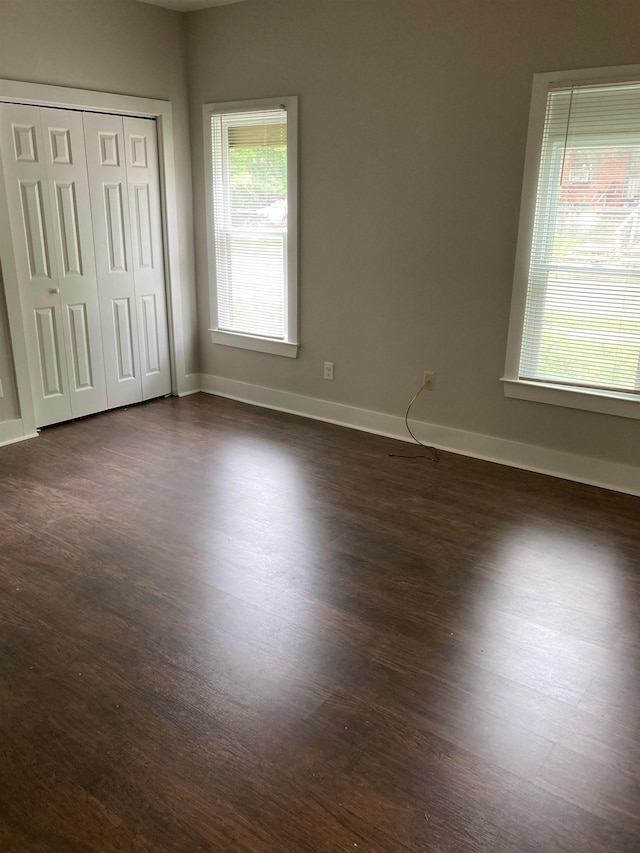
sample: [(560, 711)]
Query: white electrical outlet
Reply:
[(429, 381), (328, 370), (1, 391)]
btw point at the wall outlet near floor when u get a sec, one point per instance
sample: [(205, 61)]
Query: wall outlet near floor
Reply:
[(1, 391), (328, 370), (429, 381)]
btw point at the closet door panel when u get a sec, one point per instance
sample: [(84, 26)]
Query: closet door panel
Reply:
[(64, 153), (84, 197), (106, 165), (23, 148), (141, 152), (46, 321)]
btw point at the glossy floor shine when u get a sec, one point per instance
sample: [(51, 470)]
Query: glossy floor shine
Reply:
[(227, 629)]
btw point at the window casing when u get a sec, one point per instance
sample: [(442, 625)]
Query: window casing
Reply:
[(251, 173), (574, 337)]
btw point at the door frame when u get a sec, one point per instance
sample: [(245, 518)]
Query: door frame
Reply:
[(43, 95)]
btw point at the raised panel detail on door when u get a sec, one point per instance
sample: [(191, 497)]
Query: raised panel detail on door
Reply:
[(34, 229), (151, 349), (69, 234), (147, 260), (109, 148), (60, 141), (142, 220), (110, 206), (124, 338), (115, 227), (49, 350), (24, 143), (138, 151), (81, 351)]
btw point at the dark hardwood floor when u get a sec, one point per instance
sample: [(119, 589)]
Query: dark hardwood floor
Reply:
[(228, 629)]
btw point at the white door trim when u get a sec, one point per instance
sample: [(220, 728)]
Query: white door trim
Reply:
[(107, 102)]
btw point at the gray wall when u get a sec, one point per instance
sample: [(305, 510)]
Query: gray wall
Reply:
[(114, 46), (413, 128), (413, 117), (9, 401)]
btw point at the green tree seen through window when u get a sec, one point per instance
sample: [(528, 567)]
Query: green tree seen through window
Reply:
[(258, 176)]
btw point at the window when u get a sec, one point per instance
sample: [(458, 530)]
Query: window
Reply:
[(574, 337), (251, 154)]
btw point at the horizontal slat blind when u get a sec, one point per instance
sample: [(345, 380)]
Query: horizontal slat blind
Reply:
[(249, 160), (582, 319)]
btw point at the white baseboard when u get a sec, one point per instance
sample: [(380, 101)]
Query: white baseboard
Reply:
[(12, 431), (191, 384), (568, 466)]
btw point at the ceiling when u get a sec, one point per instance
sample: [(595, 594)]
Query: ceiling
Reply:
[(189, 5)]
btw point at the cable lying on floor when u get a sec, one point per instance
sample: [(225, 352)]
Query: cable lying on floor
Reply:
[(434, 457)]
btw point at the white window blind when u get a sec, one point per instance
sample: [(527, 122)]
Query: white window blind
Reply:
[(250, 216), (582, 316)]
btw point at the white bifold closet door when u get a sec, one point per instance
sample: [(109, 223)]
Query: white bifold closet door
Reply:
[(122, 161), (48, 199), (84, 204)]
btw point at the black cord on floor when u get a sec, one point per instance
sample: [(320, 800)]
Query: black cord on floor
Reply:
[(434, 457)]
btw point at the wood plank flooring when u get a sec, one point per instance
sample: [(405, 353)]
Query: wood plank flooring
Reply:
[(228, 629)]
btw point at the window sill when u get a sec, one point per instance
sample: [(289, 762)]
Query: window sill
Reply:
[(589, 400), (268, 345)]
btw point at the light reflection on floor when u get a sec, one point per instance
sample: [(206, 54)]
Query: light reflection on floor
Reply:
[(267, 538), (544, 630)]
